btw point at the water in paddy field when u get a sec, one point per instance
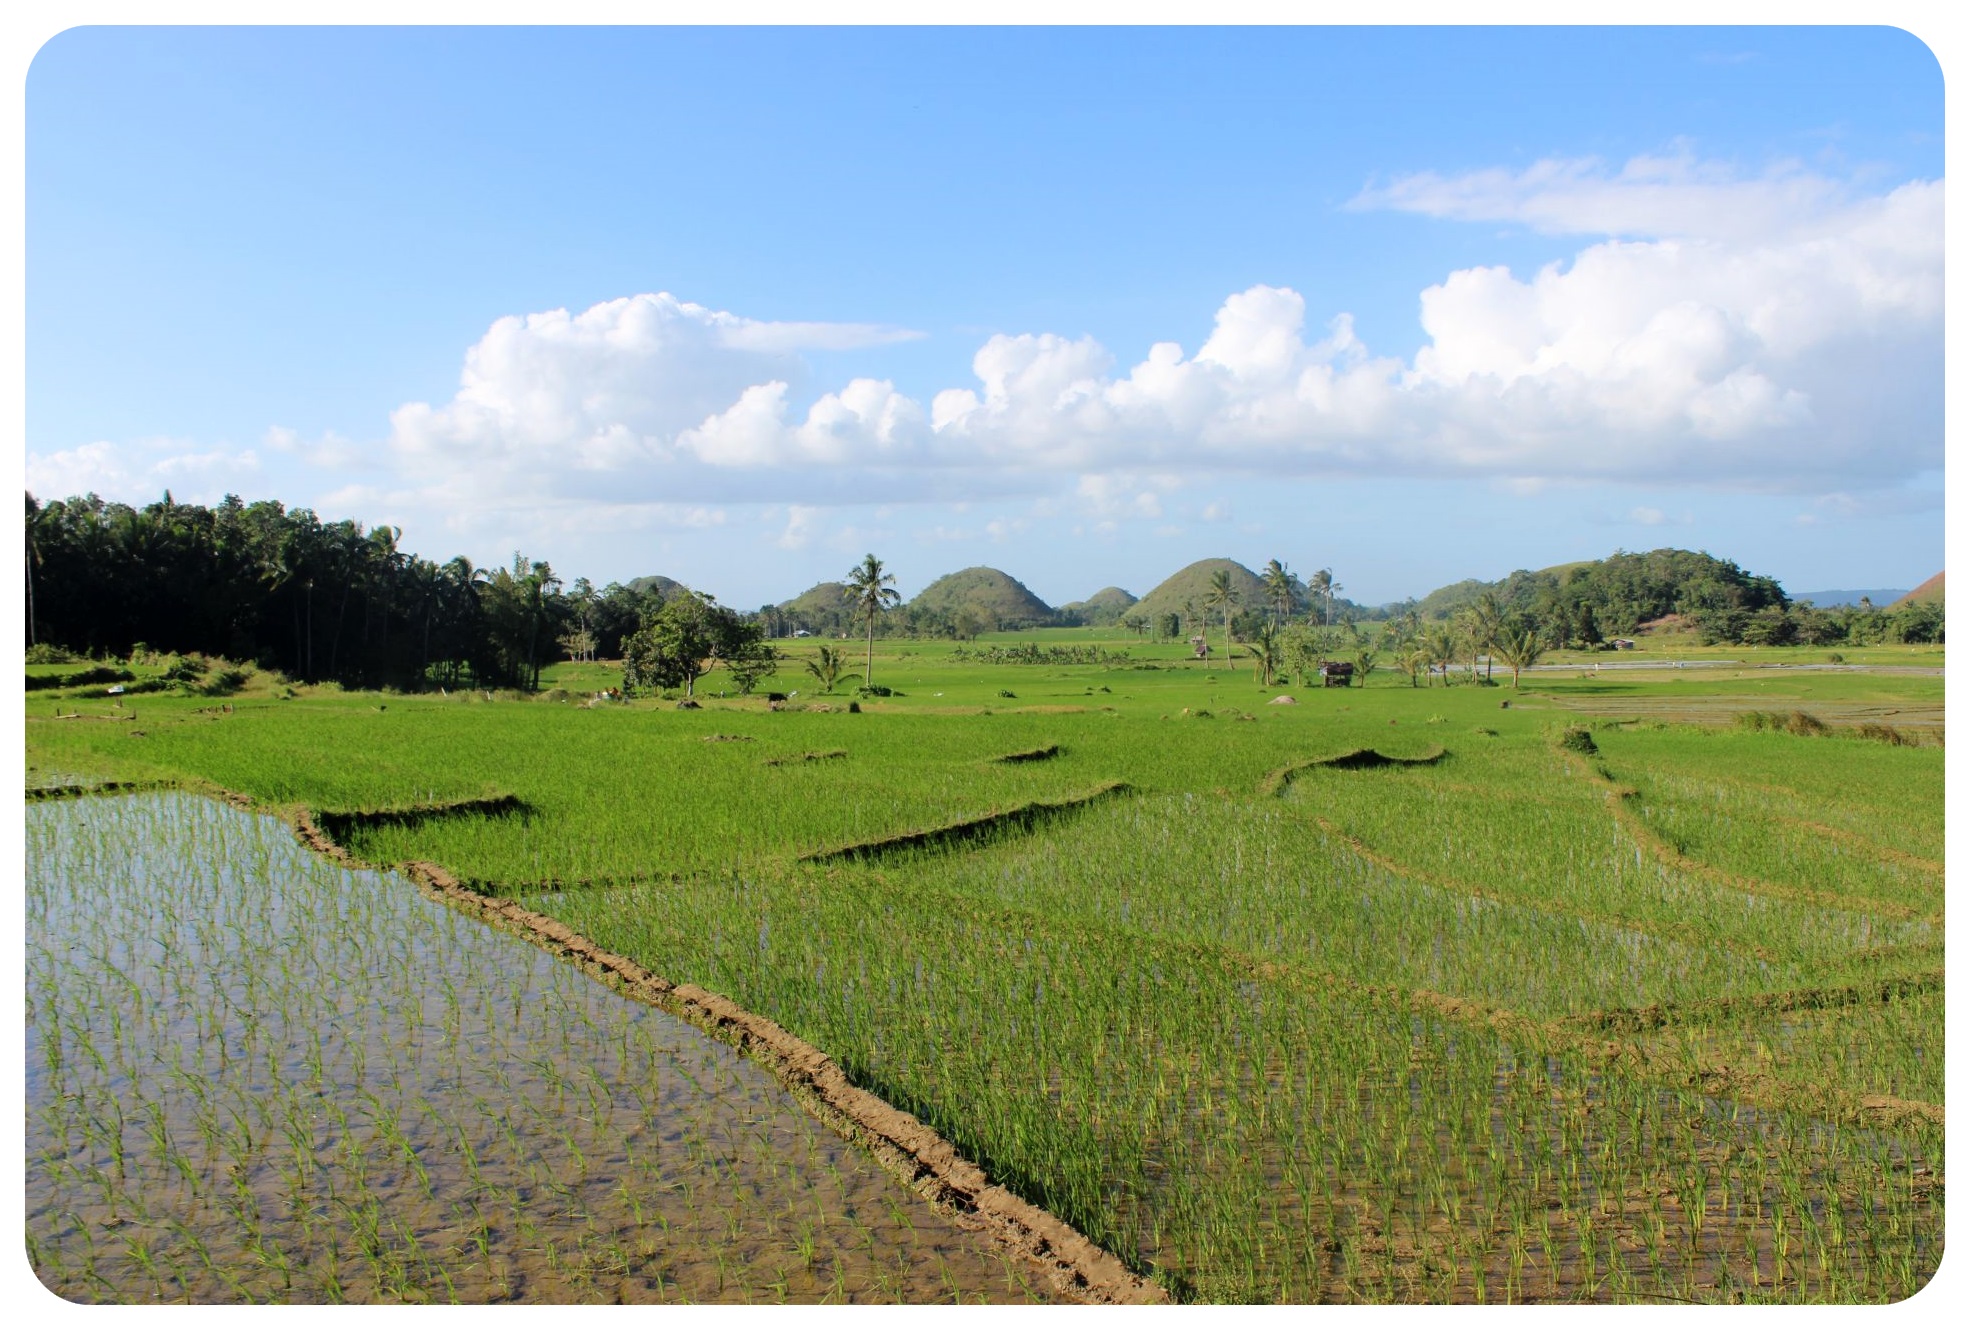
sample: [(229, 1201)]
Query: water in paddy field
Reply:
[(256, 1075)]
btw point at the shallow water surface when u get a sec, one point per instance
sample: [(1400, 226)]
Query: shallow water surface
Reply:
[(256, 1075)]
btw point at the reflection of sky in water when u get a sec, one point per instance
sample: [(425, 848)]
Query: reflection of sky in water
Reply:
[(334, 1086)]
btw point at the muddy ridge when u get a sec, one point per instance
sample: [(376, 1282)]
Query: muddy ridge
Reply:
[(340, 824), (107, 787), (824, 755), (1030, 755), (927, 1162), (1026, 817), (1359, 759), (1657, 1015)]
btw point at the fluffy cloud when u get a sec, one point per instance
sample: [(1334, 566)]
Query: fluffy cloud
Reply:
[(628, 383), (1778, 332), (141, 471)]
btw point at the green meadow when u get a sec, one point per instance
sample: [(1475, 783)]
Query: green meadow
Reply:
[(1624, 984)]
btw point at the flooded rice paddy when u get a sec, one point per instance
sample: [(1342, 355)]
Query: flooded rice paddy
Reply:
[(255, 1075)]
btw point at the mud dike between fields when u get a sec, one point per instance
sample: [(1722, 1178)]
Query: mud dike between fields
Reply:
[(1062, 1259)]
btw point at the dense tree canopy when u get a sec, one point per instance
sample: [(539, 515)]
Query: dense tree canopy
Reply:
[(317, 601)]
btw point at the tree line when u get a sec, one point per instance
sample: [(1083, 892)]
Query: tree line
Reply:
[(317, 601), (335, 601)]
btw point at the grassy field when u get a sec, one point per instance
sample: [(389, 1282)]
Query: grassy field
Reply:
[(1592, 992)]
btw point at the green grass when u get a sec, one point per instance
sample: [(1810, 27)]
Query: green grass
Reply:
[(1310, 1039)]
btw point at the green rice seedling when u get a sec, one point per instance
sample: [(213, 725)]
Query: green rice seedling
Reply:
[(407, 1077), (1486, 1028)]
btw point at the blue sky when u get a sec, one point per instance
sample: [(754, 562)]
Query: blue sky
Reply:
[(738, 305)]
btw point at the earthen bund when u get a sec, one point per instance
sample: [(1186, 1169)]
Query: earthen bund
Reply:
[(916, 1153)]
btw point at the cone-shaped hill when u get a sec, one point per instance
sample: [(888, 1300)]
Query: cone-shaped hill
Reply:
[(1104, 607), (1193, 584), (663, 586), (999, 600), (1930, 590), (823, 597)]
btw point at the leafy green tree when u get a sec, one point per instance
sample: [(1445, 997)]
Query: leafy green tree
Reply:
[(871, 591), (746, 653), (678, 645)]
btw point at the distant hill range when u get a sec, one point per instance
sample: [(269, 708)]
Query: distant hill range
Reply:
[(1623, 591), (1827, 600), (994, 599), (1930, 592)]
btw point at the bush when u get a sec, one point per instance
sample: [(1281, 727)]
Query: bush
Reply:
[(226, 682), (46, 653), (1802, 723), (1574, 739), (184, 669)]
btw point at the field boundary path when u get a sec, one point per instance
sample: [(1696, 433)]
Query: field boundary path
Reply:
[(1025, 817), (921, 1157)]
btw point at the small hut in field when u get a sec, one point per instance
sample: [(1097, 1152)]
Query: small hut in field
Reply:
[(1336, 673)]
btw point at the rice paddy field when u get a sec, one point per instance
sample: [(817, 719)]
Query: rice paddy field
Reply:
[(1393, 994)]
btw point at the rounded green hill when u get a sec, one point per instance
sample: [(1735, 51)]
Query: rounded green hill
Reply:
[(998, 599), (1192, 585)]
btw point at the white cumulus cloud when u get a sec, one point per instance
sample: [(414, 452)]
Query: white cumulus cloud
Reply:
[(1780, 332)]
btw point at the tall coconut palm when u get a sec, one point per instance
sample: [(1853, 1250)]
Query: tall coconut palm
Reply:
[(1484, 623), (1220, 595), (871, 591), (1440, 644), (1321, 584), (1278, 589), (1268, 649)]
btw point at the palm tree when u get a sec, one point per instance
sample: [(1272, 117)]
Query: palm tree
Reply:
[(1321, 584), (872, 591), (1440, 645), (826, 667), (1220, 594), (1521, 648), (1484, 622), (1267, 649), (1278, 589)]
